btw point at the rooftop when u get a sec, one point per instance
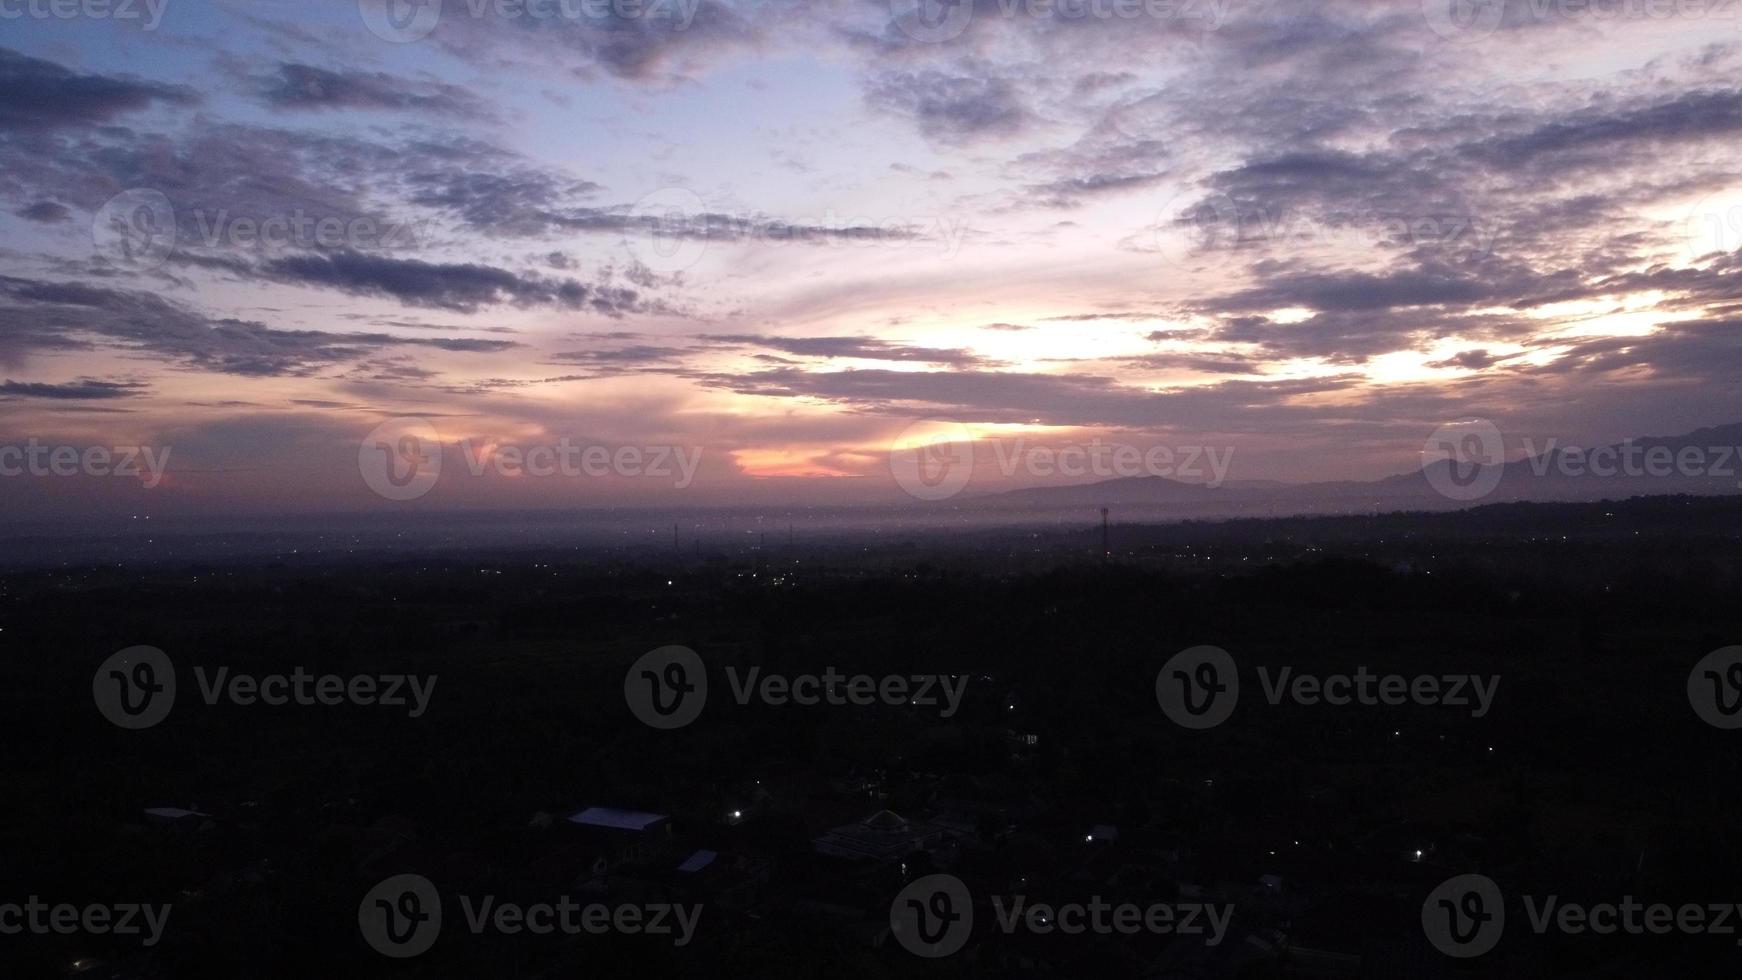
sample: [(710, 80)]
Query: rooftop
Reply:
[(614, 819)]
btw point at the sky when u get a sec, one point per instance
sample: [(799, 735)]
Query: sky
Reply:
[(742, 251)]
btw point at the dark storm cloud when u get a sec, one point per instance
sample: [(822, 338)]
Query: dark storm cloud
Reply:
[(1470, 360), (1095, 81), (398, 369), (1359, 315), (1071, 34), (1047, 399), (299, 86), (668, 44), (1718, 281), (222, 171), (1122, 315), (41, 95), (225, 172), (707, 225), (83, 389), (1352, 336), (1345, 338), (54, 315), (485, 386), (1706, 352), (1314, 169), (1203, 363), (646, 49), (864, 347), (1071, 192), (1330, 182), (951, 108), (1360, 291), (523, 202), (1600, 131), (1486, 177), (215, 171), (640, 355), (462, 287), (46, 212)]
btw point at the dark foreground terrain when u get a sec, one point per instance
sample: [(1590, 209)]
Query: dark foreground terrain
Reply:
[(1589, 775)]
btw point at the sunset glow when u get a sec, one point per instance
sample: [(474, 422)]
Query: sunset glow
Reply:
[(779, 234)]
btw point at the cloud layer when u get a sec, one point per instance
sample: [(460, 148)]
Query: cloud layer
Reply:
[(1315, 229)]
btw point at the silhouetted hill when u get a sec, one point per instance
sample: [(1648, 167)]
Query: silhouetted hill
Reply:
[(1702, 462)]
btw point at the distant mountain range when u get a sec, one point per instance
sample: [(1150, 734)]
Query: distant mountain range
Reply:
[(1706, 461)]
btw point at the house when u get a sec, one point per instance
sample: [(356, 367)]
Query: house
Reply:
[(623, 835), (728, 881), (611, 818), (705, 877), (178, 819), (883, 836)]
